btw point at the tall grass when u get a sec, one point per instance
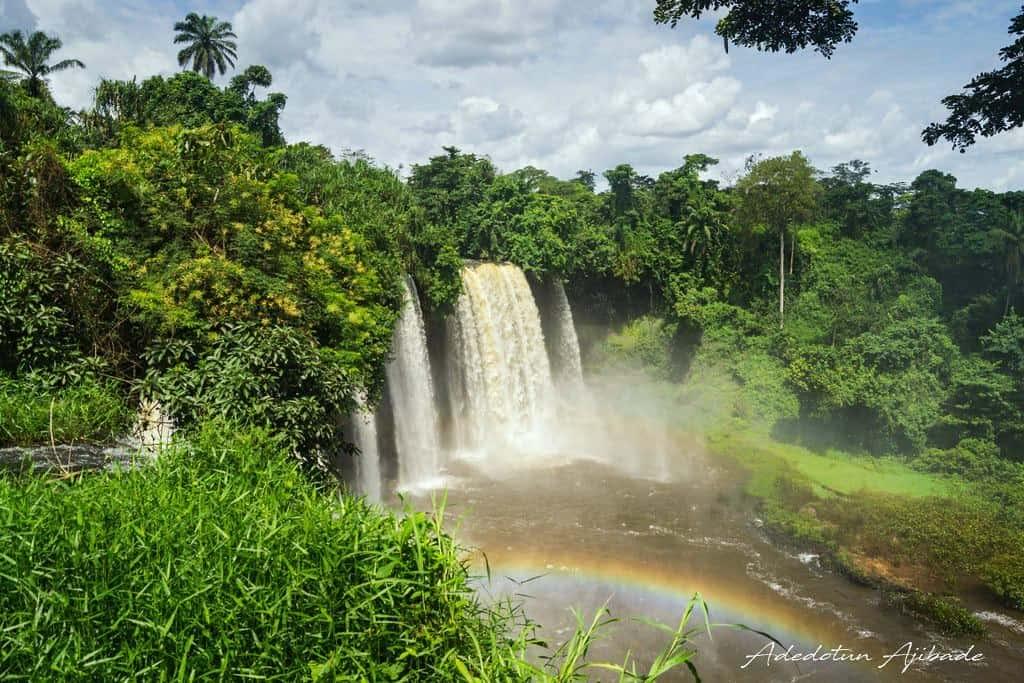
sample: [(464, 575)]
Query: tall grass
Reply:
[(86, 411), (223, 560)]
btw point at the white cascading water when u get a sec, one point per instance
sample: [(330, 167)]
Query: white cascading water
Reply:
[(411, 390), (499, 376), (364, 433), (568, 367)]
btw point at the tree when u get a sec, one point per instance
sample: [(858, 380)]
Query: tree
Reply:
[(771, 25), (856, 204), (586, 178), (776, 194), (209, 46), (695, 207), (1011, 236), (31, 58), (188, 99), (993, 102)]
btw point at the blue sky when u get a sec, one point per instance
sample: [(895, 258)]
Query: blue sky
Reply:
[(567, 84)]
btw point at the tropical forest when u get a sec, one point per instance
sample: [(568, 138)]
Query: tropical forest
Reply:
[(274, 409)]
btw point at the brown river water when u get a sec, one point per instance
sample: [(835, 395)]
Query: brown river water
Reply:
[(639, 519)]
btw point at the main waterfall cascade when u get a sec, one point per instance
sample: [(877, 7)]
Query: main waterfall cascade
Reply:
[(499, 379), (411, 391)]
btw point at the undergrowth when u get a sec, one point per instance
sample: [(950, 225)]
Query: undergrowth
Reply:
[(88, 410)]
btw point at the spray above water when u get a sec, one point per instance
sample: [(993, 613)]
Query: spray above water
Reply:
[(513, 381)]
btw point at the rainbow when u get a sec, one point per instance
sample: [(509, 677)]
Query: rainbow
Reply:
[(635, 582)]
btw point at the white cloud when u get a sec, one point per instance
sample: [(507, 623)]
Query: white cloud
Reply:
[(16, 15), (672, 68), (467, 33), (685, 113), (565, 85), (481, 119)]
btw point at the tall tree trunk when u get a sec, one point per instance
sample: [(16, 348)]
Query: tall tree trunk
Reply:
[(792, 252), (782, 279)]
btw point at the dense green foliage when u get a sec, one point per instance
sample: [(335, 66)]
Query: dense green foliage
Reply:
[(185, 99), (168, 257), (222, 560)]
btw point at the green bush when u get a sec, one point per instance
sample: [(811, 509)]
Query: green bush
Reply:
[(274, 377), (952, 618), (1004, 576), (33, 412), (645, 343), (975, 459)]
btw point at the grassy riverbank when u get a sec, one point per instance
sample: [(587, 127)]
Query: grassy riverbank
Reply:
[(930, 530), (222, 559), (925, 539)]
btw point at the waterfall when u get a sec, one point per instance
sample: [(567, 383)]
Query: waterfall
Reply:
[(499, 376), (564, 343), (364, 433), (411, 390)]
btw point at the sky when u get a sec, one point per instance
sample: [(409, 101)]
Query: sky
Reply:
[(572, 84)]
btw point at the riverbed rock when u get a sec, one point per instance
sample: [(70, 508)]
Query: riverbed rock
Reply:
[(69, 458)]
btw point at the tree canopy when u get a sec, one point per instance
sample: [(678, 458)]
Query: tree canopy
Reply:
[(771, 25), (992, 103)]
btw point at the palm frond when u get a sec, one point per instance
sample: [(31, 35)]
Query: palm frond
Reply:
[(66, 64), (224, 30), (185, 55)]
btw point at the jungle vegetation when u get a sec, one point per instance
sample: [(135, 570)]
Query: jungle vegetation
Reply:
[(169, 242)]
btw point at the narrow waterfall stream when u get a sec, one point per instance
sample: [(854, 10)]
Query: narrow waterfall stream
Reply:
[(368, 474), (411, 392), (587, 503), (564, 346)]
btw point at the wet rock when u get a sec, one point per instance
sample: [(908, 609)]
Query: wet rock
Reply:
[(64, 458), (153, 431)]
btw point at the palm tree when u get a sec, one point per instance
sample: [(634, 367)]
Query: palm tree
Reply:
[(209, 46), (702, 223), (30, 59), (1011, 235)]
